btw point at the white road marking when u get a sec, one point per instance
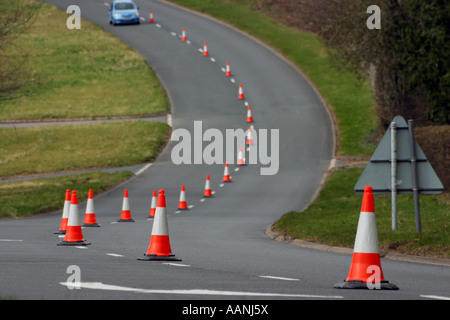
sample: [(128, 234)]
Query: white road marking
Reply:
[(114, 255), (158, 25), (140, 171), (173, 34), (435, 297), (206, 292), (81, 247), (169, 120), (213, 60), (10, 240), (176, 264), (280, 278)]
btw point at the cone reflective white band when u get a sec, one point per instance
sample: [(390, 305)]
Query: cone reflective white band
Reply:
[(160, 225), (366, 240)]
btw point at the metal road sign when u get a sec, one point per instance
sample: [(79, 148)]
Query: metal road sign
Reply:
[(399, 165)]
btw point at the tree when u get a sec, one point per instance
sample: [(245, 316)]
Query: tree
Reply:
[(407, 59)]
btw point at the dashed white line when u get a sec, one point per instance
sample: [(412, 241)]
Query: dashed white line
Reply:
[(114, 255), (140, 171), (279, 278), (212, 59), (158, 25), (10, 240), (176, 264)]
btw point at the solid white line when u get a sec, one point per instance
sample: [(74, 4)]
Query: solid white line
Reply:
[(435, 297), (140, 171), (169, 120), (280, 278), (101, 286)]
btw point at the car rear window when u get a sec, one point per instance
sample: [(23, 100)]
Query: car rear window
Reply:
[(124, 6)]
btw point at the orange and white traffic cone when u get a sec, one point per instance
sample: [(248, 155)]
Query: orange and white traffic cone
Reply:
[(228, 70), (207, 192), (182, 205), (159, 248), (153, 206), (151, 19), (65, 214), (205, 50), (249, 115), (126, 212), (74, 235), (90, 219), (241, 92), (240, 160), (365, 270), (226, 174), (183, 35), (249, 136)]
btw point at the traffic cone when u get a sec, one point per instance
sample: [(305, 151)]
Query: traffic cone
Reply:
[(240, 160), (226, 174), (249, 136), (365, 270), (89, 217), (74, 235), (182, 204), (228, 70), (249, 114), (205, 50), (151, 20), (153, 206), (208, 192), (126, 212), (65, 214), (241, 92), (159, 248), (183, 35)]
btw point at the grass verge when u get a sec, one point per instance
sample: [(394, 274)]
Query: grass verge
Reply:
[(83, 73), (333, 219), (65, 148), (19, 199)]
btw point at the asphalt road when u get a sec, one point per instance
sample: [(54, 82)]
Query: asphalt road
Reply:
[(225, 253)]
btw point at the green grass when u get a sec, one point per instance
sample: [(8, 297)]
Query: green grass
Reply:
[(63, 148), (333, 219), (83, 73), (351, 101), (19, 199)]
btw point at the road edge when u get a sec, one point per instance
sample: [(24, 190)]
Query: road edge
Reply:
[(342, 250)]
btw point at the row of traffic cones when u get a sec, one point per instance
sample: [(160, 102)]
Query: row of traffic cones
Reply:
[(365, 270)]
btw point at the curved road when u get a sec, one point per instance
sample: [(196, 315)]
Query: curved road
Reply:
[(225, 253)]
